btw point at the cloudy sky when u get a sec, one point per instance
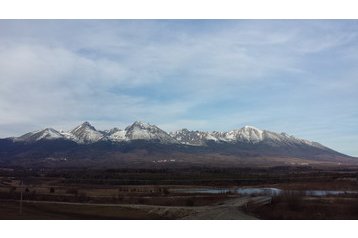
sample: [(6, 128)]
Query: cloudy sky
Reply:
[(299, 77)]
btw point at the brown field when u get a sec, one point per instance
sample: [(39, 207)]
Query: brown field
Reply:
[(43, 211), (311, 208), (146, 194)]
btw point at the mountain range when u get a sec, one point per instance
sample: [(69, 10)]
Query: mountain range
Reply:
[(145, 144), (86, 134)]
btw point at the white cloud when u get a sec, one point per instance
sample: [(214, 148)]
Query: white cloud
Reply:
[(58, 73)]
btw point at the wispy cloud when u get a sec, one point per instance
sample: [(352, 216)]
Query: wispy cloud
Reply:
[(294, 76)]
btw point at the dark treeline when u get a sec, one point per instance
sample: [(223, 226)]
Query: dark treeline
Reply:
[(188, 176)]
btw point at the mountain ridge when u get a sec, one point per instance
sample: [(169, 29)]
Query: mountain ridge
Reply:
[(86, 133), (142, 144)]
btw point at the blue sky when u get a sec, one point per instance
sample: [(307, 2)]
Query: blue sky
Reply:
[(298, 77)]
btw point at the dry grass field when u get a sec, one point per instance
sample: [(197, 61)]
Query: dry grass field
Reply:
[(48, 211), (147, 194)]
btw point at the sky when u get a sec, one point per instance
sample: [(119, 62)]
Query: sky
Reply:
[(293, 76)]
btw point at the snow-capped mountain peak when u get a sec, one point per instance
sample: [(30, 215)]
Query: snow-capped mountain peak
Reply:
[(245, 134), (188, 137), (50, 133), (111, 131), (85, 133), (250, 134), (85, 124), (45, 134), (117, 134), (251, 128), (144, 131), (141, 125)]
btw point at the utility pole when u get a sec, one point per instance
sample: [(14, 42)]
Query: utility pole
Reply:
[(21, 188)]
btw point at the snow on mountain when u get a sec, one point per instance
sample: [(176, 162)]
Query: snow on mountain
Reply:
[(111, 131), (246, 134), (144, 131), (45, 134), (249, 134), (117, 134), (84, 133), (188, 137)]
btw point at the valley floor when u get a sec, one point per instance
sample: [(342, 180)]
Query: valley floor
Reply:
[(63, 210), (223, 194)]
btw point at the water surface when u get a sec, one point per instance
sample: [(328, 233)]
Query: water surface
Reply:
[(262, 191)]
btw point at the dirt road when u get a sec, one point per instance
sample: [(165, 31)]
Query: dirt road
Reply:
[(230, 209)]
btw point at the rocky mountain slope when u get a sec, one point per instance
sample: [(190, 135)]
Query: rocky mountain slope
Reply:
[(86, 134), (148, 143)]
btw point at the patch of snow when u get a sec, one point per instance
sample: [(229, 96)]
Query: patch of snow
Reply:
[(119, 135), (86, 133)]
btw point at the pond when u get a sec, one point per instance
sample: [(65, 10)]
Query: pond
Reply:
[(261, 191)]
